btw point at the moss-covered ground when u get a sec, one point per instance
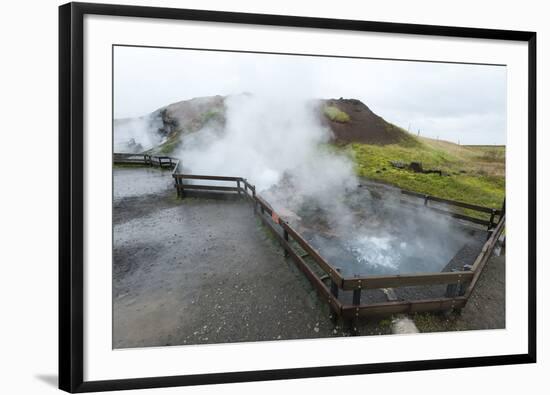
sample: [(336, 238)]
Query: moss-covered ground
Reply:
[(471, 174)]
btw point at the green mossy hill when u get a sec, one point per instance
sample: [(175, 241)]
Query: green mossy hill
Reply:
[(472, 174)]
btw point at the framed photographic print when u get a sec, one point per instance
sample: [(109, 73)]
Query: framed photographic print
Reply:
[(253, 197)]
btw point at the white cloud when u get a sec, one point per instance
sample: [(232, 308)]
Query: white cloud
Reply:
[(452, 101)]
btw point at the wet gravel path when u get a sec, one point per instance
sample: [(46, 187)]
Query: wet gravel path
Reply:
[(205, 271), (139, 181), (486, 308)]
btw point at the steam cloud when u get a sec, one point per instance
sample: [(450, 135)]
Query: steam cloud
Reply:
[(280, 145), (133, 135), (267, 139)]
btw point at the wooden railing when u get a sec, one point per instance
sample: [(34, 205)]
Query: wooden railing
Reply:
[(144, 160), (460, 284), (491, 213)]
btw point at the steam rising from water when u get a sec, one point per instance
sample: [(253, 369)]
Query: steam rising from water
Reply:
[(279, 144), (376, 251), (133, 135), (265, 139)]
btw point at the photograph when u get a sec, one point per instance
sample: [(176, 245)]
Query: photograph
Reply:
[(274, 198), (261, 196)]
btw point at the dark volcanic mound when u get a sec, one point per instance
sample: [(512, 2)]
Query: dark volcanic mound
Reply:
[(358, 125), (364, 126)]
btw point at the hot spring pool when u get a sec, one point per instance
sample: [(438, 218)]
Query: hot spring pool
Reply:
[(373, 232)]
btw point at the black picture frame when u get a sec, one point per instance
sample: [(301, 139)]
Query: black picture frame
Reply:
[(71, 173)]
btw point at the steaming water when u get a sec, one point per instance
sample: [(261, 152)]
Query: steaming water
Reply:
[(377, 252), (380, 235), (137, 134), (389, 254)]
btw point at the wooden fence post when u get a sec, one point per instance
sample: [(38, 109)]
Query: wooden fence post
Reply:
[(502, 212), (453, 289), (334, 292), (356, 301), (491, 220), (177, 186), (181, 190), (462, 285), (333, 288), (254, 198), (285, 235), (357, 296)]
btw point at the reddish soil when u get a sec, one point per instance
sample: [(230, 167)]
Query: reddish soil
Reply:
[(364, 125)]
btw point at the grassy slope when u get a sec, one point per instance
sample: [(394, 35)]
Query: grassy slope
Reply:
[(173, 141), (476, 172)]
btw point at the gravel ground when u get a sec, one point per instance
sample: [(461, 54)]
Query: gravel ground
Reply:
[(134, 182), (485, 309)]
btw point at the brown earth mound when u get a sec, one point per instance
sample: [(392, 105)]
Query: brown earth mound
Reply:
[(192, 114), (363, 126), (350, 120)]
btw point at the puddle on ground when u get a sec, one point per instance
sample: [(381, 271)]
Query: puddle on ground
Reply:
[(132, 182)]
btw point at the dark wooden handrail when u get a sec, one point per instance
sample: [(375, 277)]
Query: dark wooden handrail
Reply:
[(452, 202), (146, 160), (202, 177)]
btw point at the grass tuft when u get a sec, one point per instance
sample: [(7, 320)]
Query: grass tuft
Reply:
[(335, 114)]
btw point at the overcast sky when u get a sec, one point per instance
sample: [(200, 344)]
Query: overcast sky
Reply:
[(454, 102)]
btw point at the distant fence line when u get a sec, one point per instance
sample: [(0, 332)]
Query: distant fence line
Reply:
[(492, 212), (144, 160)]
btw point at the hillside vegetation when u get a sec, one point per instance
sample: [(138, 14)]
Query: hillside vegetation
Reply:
[(336, 115), (472, 174)]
